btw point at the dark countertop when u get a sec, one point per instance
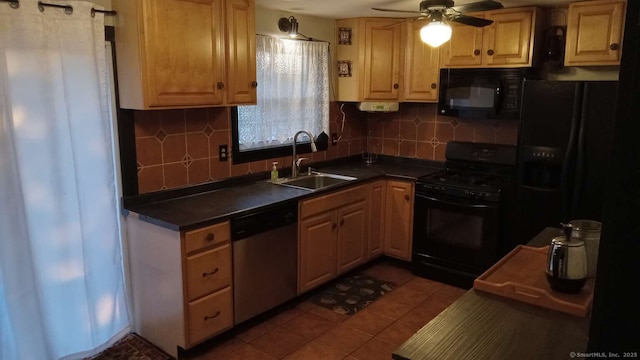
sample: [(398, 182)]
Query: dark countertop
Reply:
[(198, 210), (485, 326)]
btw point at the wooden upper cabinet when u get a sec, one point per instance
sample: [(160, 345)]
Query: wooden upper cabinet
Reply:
[(594, 33), (382, 59), (508, 42), (465, 47), (241, 50), (421, 67), (172, 53)]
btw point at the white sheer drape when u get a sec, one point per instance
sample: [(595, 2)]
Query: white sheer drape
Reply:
[(61, 282), (293, 93)]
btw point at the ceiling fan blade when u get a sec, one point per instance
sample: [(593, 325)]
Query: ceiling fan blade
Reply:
[(391, 10), (479, 6), (406, 20), (470, 20)]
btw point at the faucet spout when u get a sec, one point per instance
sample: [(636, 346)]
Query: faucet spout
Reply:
[(295, 166)]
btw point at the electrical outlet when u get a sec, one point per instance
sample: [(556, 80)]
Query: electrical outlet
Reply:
[(223, 153), (334, 138)]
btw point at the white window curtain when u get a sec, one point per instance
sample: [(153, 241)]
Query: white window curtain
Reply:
[(62, 292), (293, 93)]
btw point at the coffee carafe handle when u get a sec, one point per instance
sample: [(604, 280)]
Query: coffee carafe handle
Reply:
[(557, 256)]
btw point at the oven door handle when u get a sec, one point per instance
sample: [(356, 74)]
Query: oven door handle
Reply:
[(472, 206)]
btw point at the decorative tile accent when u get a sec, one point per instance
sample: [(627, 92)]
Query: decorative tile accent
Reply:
[(187, 160), (454, 123), (434, 142), (208, 131), (161, 135)]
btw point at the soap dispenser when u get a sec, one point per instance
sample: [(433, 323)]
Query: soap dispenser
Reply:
[(274, 172)]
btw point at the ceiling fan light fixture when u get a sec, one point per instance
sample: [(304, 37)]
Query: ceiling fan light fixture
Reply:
[(435, 33)]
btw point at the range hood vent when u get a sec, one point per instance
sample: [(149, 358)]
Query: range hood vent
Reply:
[(378, 106)]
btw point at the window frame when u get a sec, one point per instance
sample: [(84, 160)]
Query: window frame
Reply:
[(241, 157)]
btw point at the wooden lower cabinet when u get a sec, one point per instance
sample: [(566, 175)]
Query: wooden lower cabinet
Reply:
[(181, 283), (377, 192), (332, 236), (399, 219), (317, 247), (352, 236)]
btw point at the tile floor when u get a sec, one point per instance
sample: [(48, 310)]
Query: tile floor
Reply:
[(306, 331)]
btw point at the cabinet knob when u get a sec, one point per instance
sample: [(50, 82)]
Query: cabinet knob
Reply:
[(210, 237), (490, 52), (476, 52), (334, 226), (220, 85), (614, 46), (341, 222), (254, 84), (209, 317), (433, 85), (205, 274), (395, 86), (407, 197)]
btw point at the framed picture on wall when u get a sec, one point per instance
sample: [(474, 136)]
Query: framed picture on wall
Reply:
[(344, 68), (344, 36)]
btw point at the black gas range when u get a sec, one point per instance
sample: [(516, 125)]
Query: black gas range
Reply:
[(460, 213)]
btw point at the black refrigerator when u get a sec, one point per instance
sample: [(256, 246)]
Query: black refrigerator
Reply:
[(564, 144)]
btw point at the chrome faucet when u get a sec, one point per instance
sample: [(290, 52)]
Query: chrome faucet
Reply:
[(295, 168)]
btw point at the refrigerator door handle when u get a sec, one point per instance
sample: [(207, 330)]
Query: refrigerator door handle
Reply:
[(568, 156)]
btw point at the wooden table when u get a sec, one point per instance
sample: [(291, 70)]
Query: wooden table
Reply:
[(485, 326)]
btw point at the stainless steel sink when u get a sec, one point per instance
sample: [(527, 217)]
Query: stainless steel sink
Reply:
[(316, 181)]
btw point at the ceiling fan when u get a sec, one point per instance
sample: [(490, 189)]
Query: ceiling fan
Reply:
[(440, 12)]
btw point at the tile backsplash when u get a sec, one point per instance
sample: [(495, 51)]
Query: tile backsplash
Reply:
[(177, 148)]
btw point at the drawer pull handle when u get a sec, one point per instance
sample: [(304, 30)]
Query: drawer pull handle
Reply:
[(212, 316), (210, 237), (476, 52), (614, 46), (220, 85), (407, 197), (205, 274), (490, 52)]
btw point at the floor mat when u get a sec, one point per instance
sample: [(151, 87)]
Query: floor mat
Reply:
[(352, 293), (132, 347)]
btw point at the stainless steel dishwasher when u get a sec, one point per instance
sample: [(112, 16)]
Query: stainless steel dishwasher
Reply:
[(265, 253)]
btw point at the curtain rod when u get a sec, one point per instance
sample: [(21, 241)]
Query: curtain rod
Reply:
[(68, 9), (305, 39)]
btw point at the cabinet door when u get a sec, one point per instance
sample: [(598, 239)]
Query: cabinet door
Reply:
[(317, 246), (465, 47), (421, 67), (352, 236), (399, 219), (594, 33), (241, 52), (507, 42), (183, 47), (376, 205), (382, 60)]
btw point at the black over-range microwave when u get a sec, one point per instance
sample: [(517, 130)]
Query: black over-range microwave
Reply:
[(481, 93)]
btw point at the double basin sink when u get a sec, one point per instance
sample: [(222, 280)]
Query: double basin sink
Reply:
[(315, 181)]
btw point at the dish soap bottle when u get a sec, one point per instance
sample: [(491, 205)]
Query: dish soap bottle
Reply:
[(274, 172)]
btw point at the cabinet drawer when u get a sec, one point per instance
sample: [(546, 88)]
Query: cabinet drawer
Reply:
[(208, 271), (332, 201), (201, 239), (210, 315)]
